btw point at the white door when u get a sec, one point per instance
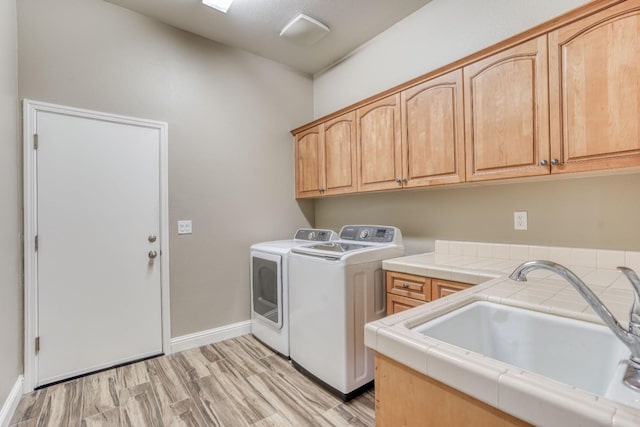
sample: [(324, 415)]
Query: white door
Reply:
[(98, 266)]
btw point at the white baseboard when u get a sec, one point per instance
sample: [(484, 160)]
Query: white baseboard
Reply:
[(10, 405), (210, 336)]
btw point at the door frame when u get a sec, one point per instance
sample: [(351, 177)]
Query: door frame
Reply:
[(30, 110)]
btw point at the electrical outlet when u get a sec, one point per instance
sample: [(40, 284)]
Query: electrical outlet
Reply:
[(520, 220), (184, 227)]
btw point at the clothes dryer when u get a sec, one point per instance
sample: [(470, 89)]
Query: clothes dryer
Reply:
[(270, 286)]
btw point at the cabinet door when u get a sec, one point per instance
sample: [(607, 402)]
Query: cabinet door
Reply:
[(309, 163), (340, 154), (594, 68), (379, 143), (409, 285), (396, 304), (507, 113), (442, 288), (433, 132)]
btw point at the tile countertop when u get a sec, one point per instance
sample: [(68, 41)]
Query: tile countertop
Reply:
[(531, 397)]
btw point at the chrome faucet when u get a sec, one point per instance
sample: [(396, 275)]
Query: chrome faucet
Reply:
[(630, 337)]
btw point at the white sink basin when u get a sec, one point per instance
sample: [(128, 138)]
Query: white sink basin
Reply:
[(582, 354)]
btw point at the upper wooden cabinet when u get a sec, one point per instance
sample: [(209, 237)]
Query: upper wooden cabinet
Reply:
[(340, 155), (594, 85), (379, 145), (326, 158), (562, 97), (433, 132), (507, 115), (309, 163)]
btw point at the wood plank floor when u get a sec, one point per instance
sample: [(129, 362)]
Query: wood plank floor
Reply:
[(238, 382)]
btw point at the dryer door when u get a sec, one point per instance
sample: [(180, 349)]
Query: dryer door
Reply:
[(266, 288)]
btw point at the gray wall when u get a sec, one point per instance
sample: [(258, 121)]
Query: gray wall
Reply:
[(10, 287), (595, 212), (230, 153), (602, 212), (439, 33)]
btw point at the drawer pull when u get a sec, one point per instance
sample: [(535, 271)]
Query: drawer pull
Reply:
[(405, 285)]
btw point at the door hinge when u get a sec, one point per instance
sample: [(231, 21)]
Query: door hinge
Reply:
[(35, 141), (36, 243), (37, 344)]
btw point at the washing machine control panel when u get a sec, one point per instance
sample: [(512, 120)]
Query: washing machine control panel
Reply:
[(367, 233), (315, 235)]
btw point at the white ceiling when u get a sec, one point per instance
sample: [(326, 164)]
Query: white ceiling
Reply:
[(255, 25)]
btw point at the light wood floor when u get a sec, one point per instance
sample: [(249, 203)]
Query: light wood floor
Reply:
[(237, 382)]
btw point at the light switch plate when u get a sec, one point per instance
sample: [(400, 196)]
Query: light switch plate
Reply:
[(184, 227), (520, 220)]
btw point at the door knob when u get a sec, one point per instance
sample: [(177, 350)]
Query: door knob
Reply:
[(544, 163), (555, 162), (152, 238), (153, 254)]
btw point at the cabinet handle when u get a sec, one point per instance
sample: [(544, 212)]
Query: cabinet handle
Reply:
[(405, 285), (555, 162), (544, 162), (399, 180), (404, 180)]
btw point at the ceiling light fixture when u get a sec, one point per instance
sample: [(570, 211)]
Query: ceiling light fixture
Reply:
[(221, 5), (304, 30)]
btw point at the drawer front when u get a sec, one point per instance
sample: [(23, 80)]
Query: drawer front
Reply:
[(442, 288), (408, 285), (396, 304)]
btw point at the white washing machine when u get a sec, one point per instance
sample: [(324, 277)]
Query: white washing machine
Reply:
[(337, 287), (270, 287)]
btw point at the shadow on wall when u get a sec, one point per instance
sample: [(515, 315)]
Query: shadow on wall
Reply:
[(307, 207)]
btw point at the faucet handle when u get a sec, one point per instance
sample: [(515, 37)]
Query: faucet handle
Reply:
[(632, 277), (634, 321)]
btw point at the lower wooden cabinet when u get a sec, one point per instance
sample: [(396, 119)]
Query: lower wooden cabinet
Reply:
[(409, 285), (396, 304), (442, 288), (405, 397), (405, 291)]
